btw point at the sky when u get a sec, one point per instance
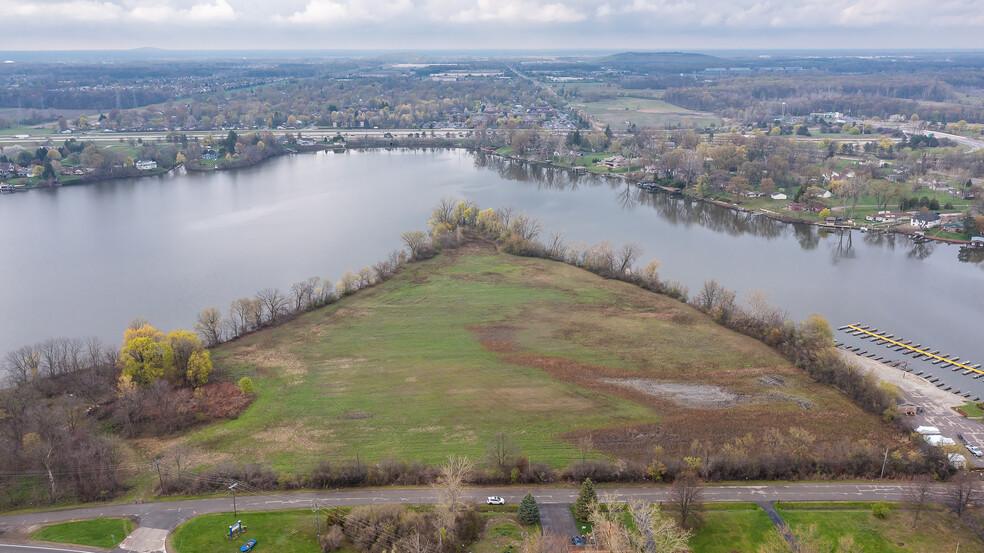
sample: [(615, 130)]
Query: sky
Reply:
[(491, 24)]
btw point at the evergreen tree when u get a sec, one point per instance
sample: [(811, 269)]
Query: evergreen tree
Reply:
[(529, 511), (585, 499)]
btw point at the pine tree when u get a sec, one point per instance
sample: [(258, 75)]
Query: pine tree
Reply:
[(585, 499), (529, 511)]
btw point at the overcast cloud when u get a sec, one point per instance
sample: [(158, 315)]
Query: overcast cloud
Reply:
[(453, 24)]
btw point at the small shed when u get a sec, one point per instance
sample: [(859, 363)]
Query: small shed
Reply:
[(957, 460), (908, 409)]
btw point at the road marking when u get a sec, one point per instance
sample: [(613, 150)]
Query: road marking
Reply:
[(45, 548)]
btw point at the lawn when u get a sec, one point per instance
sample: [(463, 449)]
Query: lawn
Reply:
[(461, 347), (938, 530), (971, 409), (276, 531), (97, 532), (729, 528)]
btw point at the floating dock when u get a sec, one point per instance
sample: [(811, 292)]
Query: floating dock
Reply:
[(906, 347)]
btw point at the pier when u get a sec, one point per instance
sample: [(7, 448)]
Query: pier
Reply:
[(906, 347)]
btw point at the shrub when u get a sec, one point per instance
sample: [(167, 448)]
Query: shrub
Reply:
[(881, 509), (332, 540), (246, 386)]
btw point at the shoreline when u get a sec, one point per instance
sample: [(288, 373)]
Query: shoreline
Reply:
[(354, 145)]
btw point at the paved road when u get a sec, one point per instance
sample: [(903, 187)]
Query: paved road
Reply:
[(31, 548), (156, 519)]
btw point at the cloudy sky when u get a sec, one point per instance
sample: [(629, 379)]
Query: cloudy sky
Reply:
[(507, 24)]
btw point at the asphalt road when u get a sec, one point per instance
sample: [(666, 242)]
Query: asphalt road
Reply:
[(156, 519)]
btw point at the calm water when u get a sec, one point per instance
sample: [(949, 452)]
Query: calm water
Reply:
[(85, 260)]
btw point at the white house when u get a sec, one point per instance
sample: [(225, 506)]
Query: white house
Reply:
[(926, 220), (780, 196), (826, 194), (145, 164)]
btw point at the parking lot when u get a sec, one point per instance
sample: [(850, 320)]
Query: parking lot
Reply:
[(936, 405)]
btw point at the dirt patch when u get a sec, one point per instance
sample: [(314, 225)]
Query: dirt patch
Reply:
[(263, 356), (293, 437), (355, 414), (686, 395), (498, 338)]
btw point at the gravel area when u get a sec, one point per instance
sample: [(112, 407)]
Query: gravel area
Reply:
[(686, 395)]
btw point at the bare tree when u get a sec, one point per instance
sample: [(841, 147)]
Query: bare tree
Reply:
[(274, 303), (626, 256), (526, 227), (451, 501), (504, 215), (443, 213), (302, 293), (556, 247), (209, 326), (918, 494), (501, 452), (414, 240), (686, 499), (650, 531), (962, 489)]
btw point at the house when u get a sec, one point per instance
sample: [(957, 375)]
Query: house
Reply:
[(780, 196), (796, 207), (145, 164), (827, 194), (24, 171), (954, 226), (210, 155), (926, 220)]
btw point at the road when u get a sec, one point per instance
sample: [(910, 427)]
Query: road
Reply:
[(156, 519)]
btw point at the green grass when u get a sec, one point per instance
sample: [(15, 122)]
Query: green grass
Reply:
[(95, 533), (971, 410), (457, 349), (937, 530), (274, 532), (728, 528)]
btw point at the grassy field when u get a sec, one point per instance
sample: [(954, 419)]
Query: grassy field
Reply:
[(938, 530), (95, 533), (279, 531), (461, 347), (644, 112), (727, 528)]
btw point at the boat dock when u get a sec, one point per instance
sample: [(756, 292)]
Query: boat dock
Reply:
[(906, 347)]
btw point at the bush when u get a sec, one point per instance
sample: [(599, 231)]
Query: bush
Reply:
[(332, 540), (881, 509), (246, 386)]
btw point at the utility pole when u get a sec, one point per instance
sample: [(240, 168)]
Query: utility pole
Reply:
[(884, 462), (317, 506), (157, 465), (232, 488)]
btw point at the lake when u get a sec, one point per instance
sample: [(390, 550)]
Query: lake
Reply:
[(85, 260)]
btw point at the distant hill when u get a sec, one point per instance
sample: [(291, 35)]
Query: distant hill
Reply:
[(665, 60)]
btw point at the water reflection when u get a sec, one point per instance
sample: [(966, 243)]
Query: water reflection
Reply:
[(686, 212)]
